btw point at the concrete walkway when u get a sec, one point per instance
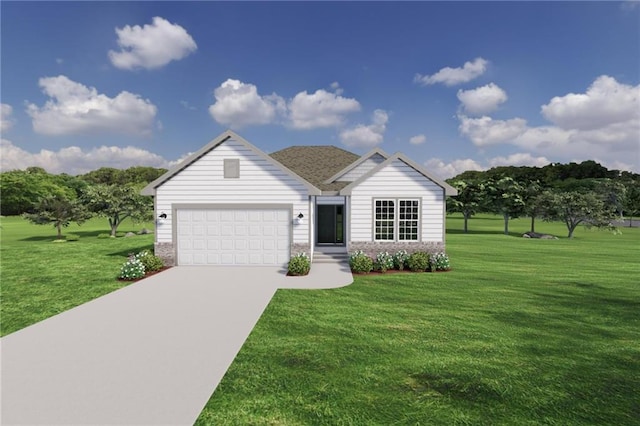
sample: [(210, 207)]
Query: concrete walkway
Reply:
[(151, 353)]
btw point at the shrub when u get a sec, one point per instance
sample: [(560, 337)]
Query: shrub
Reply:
[(102, 236), (119, 234), (150, 261), (418, 261), (360, 263), (384, 262), (400, 259), (132, 269), (73, 237), (299, 264), (439, 262)]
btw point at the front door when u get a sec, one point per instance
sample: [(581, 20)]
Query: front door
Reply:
[(330, 224)]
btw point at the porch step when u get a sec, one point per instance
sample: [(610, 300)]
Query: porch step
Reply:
[(319, 257)]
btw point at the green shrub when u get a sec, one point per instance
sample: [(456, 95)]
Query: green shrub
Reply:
[(384, 262), (360, 263), (299, 264), (439, 262), (400, 259), (132, 269), (119, 234), (150, 261), (418, 261), (102, 236), (72, 237)]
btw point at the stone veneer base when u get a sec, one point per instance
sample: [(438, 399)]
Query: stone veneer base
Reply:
[(297, 248), (165, 252), (371, 248)]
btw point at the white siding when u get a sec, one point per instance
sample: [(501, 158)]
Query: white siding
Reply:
[(260, 182), (362, 168), (397, 180)]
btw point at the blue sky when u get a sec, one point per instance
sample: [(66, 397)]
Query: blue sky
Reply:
[(454, 85)]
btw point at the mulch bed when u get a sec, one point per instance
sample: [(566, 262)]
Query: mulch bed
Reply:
[(395, 271)]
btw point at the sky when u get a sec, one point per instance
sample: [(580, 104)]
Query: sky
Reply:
[(455, 86)]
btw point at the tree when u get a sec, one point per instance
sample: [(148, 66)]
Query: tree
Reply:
[(59, 211), (117, 203), (504, 196), (467, 201), (530, 197), (632, 199), (574, 208), (21, 189)]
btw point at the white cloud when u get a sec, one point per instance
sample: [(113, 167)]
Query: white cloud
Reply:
[(453, 76), (74, 160), (482, 100), (77, 109), (519, 159), (335, 86), (485, 131), (238, 104), (587, 126), (151, 46), (320, 109), (367, 136), (6, 121), (606, 102), (446, 170), (417, 139)]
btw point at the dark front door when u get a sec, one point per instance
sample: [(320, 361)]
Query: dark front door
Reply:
[(330, 224)]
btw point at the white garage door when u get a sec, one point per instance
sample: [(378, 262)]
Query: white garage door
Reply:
[(233, 236)]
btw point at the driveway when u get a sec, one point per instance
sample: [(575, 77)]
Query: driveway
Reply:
[(151, 353)]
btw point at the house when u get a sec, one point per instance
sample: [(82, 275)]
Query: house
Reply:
[(232, 204)]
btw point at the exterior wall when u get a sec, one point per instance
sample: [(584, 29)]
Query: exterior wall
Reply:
[(203, 182), (362, 168), (397, 180), (330, 200)]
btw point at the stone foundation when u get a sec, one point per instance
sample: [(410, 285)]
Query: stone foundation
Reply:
[(297, 248), (165, 252), (372, 248)]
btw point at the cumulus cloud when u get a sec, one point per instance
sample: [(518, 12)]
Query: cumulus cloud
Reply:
[(77, 109), (585, 126), (446, 170), (519, 159), (367, 136), (485, 130), (151, 46), (238, 104), (74, 160), (482, 100), (6, 121), (417, 139), (453, 76), (605, 102), (320, 109)]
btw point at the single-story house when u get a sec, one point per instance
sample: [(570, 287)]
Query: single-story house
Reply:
[(232, 204)]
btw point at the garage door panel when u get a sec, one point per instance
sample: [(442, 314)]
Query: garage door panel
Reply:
[(251, 236)]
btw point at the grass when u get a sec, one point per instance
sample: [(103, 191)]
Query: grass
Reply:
[(519, 332), (522, 332), (40, 278)]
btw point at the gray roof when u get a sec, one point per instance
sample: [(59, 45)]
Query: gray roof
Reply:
[(316, 164)]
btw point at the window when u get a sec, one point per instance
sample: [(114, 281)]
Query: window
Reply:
[(397, 220), (385, 212), (408, 220), (231, 168)]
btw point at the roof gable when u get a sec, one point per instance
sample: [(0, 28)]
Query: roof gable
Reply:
[(359, 161), (448, 189), (150, 188), (316, 163)]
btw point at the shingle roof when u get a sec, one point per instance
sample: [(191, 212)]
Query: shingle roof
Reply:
[(316, 164)]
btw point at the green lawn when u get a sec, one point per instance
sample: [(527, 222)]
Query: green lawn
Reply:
[(40, 278), (519, 332)]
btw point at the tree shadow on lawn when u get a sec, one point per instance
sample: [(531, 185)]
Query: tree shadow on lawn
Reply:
[(81, 234), (483, 232), (132, 250)]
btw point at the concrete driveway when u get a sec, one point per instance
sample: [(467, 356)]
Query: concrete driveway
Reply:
[(151, 353)]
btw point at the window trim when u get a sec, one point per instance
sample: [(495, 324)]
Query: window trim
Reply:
[(396, 219)]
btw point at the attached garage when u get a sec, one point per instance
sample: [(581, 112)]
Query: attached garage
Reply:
[(246, 235)]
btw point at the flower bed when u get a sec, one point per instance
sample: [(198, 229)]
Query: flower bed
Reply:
[(400, 262)]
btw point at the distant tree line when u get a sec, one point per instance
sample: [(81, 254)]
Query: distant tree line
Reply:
[(46, 198), (585, 193)]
